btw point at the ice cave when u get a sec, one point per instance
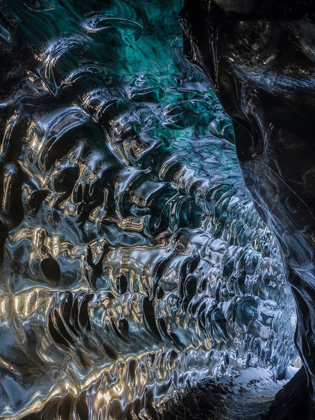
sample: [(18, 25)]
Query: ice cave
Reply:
[(157, 209)]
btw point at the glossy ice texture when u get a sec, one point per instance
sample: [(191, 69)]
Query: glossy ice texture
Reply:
[(260, 58), (133, 260)]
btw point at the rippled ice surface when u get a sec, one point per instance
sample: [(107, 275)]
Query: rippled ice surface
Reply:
[(133, 260)]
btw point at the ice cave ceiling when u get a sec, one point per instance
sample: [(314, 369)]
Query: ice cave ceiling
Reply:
[(133, 259)]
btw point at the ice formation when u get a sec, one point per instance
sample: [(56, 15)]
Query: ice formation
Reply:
[(259, 57), (133, 259)]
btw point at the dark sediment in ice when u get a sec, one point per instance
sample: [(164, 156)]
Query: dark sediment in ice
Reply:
[(259, 57), (291, 403)]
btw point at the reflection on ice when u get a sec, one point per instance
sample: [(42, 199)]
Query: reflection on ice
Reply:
[(133, 259)]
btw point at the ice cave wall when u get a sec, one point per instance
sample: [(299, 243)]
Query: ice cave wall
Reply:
[(133, 259), (259, 57)]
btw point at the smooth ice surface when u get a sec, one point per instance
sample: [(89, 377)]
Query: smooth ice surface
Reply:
[(259, 58), (133, 258)]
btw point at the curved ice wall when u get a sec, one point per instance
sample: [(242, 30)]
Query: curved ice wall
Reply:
[(133, 260)]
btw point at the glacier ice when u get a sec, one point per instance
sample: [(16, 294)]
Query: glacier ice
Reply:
[(259, 57), (133, 259)]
